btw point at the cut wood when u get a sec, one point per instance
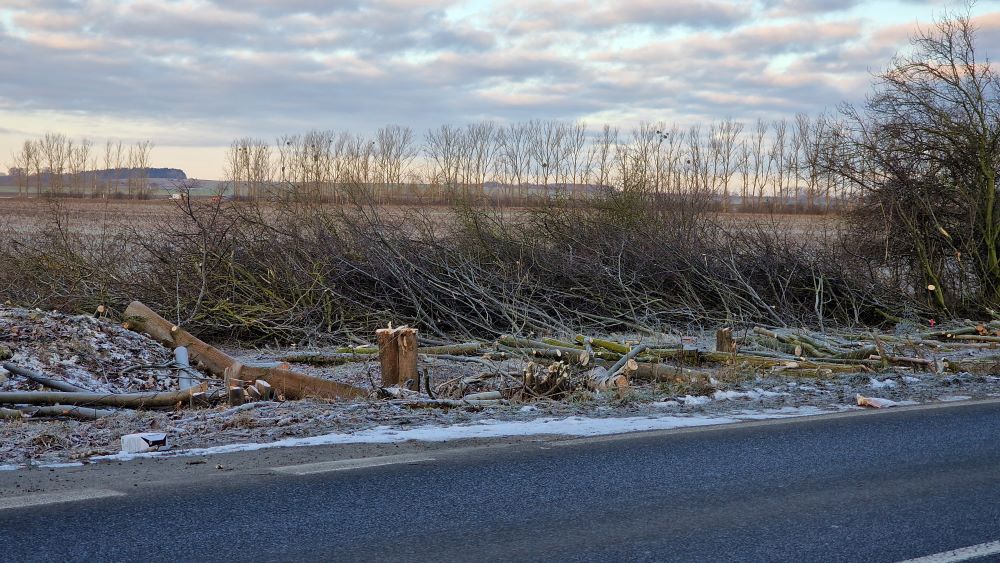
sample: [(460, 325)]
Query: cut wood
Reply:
[(128, 400), (609, 345), (82, 413), (724, 340), (388, 355), (464, 348), (408, 375), (264, 388), (184, 379), (397, 354), (600, 379), (624, 361), (235, 395), (667, 372), (290, 384), (484, 396), (41, 379), (977, 338)]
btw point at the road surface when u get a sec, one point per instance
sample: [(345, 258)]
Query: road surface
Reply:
[(879, 487)]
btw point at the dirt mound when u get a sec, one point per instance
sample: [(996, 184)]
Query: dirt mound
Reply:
[(91, 353)]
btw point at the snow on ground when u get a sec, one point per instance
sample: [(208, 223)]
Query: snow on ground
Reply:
[(882, 384), (577, 426)]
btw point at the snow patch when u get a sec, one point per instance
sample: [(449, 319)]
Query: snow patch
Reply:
[(881, 384), (665, 404), (755, 395), (572, 426), (950, 398), (690, 400)]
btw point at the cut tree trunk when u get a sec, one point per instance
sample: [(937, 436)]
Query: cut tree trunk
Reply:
[(83, 413), (408, 357), (42, 380), (127, 400), (290, 384), (724, 340), (397, 354), (388, 355)]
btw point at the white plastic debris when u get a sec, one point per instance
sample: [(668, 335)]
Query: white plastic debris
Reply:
[(143, 442), (875, 402)]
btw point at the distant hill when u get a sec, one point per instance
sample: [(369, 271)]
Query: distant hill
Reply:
[(153, 173), (106, 175)]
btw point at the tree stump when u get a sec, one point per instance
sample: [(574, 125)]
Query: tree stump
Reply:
[(724, 340), (397, 354)]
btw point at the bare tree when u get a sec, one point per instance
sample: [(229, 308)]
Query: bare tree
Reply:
[(925, 152)]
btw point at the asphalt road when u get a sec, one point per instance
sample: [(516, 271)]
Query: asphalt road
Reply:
[(883, 487)]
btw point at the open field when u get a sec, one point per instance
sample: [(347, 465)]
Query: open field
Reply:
[(85, 215)]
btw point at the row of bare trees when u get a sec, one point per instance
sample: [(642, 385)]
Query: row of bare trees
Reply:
[(59, 165), (779, 162)]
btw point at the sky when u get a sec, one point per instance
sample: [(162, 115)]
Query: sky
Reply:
[(192, 75)]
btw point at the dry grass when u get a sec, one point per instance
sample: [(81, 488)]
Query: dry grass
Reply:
[(298, 271)]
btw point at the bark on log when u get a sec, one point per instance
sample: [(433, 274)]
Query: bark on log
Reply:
[(464, 348), (184, 379), (566, 354), (484, 396), (42, 380), (667, 372), (408, 357), (327, 359), (291, 384), (615, 347), (388, 355), (235, 395), (127, 400), (621, 363), (976, 338), (82, 413), (724, 340), (264, 388)]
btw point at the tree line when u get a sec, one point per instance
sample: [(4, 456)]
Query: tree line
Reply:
[(59, 165), (768, 162)]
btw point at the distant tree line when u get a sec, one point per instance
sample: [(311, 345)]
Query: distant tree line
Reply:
[(59, 165), (779, 161)]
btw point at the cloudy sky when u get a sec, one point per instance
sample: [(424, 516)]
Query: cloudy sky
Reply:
[(191, 75)]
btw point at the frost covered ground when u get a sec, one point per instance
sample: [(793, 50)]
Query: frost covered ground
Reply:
[(95, 354)]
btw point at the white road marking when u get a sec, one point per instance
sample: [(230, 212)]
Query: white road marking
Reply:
[(53, 498), (346, 464), (961, 554)]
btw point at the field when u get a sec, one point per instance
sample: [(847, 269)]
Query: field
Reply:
[(87, 215)]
